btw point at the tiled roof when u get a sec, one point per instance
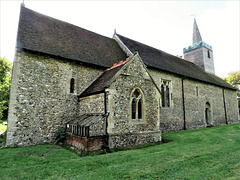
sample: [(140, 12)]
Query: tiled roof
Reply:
[(43, 34), (158, 59), (102, 82), (88, 119), (118, 64)]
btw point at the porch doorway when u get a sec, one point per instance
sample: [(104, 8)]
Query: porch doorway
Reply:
[(207, 114)]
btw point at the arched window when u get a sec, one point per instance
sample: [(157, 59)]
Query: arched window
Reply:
[(167, 97), (72, 85), (207, 113), (137, 105), (140, 109), (134, 109), (165, 93)]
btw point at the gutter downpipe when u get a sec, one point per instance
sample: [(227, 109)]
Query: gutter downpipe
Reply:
[(183, 99), (106, 120), (224, 103)]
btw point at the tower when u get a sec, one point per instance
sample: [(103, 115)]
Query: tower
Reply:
[(200, 53)]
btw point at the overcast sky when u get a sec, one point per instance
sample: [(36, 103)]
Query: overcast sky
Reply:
[(165, 25)]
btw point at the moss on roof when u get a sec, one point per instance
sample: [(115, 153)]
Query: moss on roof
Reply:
[(158, 59), (40, 33), (43, 34)]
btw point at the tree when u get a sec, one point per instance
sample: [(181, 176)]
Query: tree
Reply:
[(234, 79), (5, 82)]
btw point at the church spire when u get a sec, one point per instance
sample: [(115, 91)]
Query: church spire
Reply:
[(200, 53), (196, 34)]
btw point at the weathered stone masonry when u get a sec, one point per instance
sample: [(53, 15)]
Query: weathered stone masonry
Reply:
[(122, 130), (173, 119), (92, 117), (61, 77), (231, 106), (92, 104), (40, 101), (115, 102), (40, 97)]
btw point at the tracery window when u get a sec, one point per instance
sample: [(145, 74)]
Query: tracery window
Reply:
[(165, 93), (137, 105)]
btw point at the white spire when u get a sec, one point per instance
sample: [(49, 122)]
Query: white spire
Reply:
[(22, 4), (196, 33)]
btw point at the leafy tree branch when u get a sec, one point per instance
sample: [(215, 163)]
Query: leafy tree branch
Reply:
[(5, 82)]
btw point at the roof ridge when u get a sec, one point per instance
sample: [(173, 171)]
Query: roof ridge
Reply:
[(180, 59), (161, 60), (152, 47)]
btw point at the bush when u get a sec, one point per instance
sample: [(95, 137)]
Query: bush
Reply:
[(3, 139), (60, 134), (5, 82)]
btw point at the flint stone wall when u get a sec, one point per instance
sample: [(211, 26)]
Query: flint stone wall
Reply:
[(231, 106), (40, 98), (40, 101), (171, 118), (196, 95), (92, 104), (133, 139), (195, 103), (123, 131)]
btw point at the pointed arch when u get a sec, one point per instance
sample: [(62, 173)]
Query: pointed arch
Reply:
[(137, 104), (140, 109), (134, 106), (163, 95), (166, 93)]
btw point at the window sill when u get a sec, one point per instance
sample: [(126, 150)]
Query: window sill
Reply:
[(137, 121), (166, 107)]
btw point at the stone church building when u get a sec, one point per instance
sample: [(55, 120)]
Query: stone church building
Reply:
[(108, 92)]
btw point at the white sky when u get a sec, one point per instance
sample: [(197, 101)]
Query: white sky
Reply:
[(165, 25)]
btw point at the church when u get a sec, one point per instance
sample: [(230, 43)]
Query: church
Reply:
[(108, 92)]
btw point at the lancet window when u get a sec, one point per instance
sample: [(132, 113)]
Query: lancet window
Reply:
[(165, 93), (72, 83), (137, 105)]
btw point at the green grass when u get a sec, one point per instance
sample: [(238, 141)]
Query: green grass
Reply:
[(211, 153)]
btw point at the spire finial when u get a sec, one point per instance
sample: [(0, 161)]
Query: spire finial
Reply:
[(196, 33), (22, 4)]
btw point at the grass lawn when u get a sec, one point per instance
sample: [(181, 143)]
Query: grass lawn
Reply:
[(210, 153)]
